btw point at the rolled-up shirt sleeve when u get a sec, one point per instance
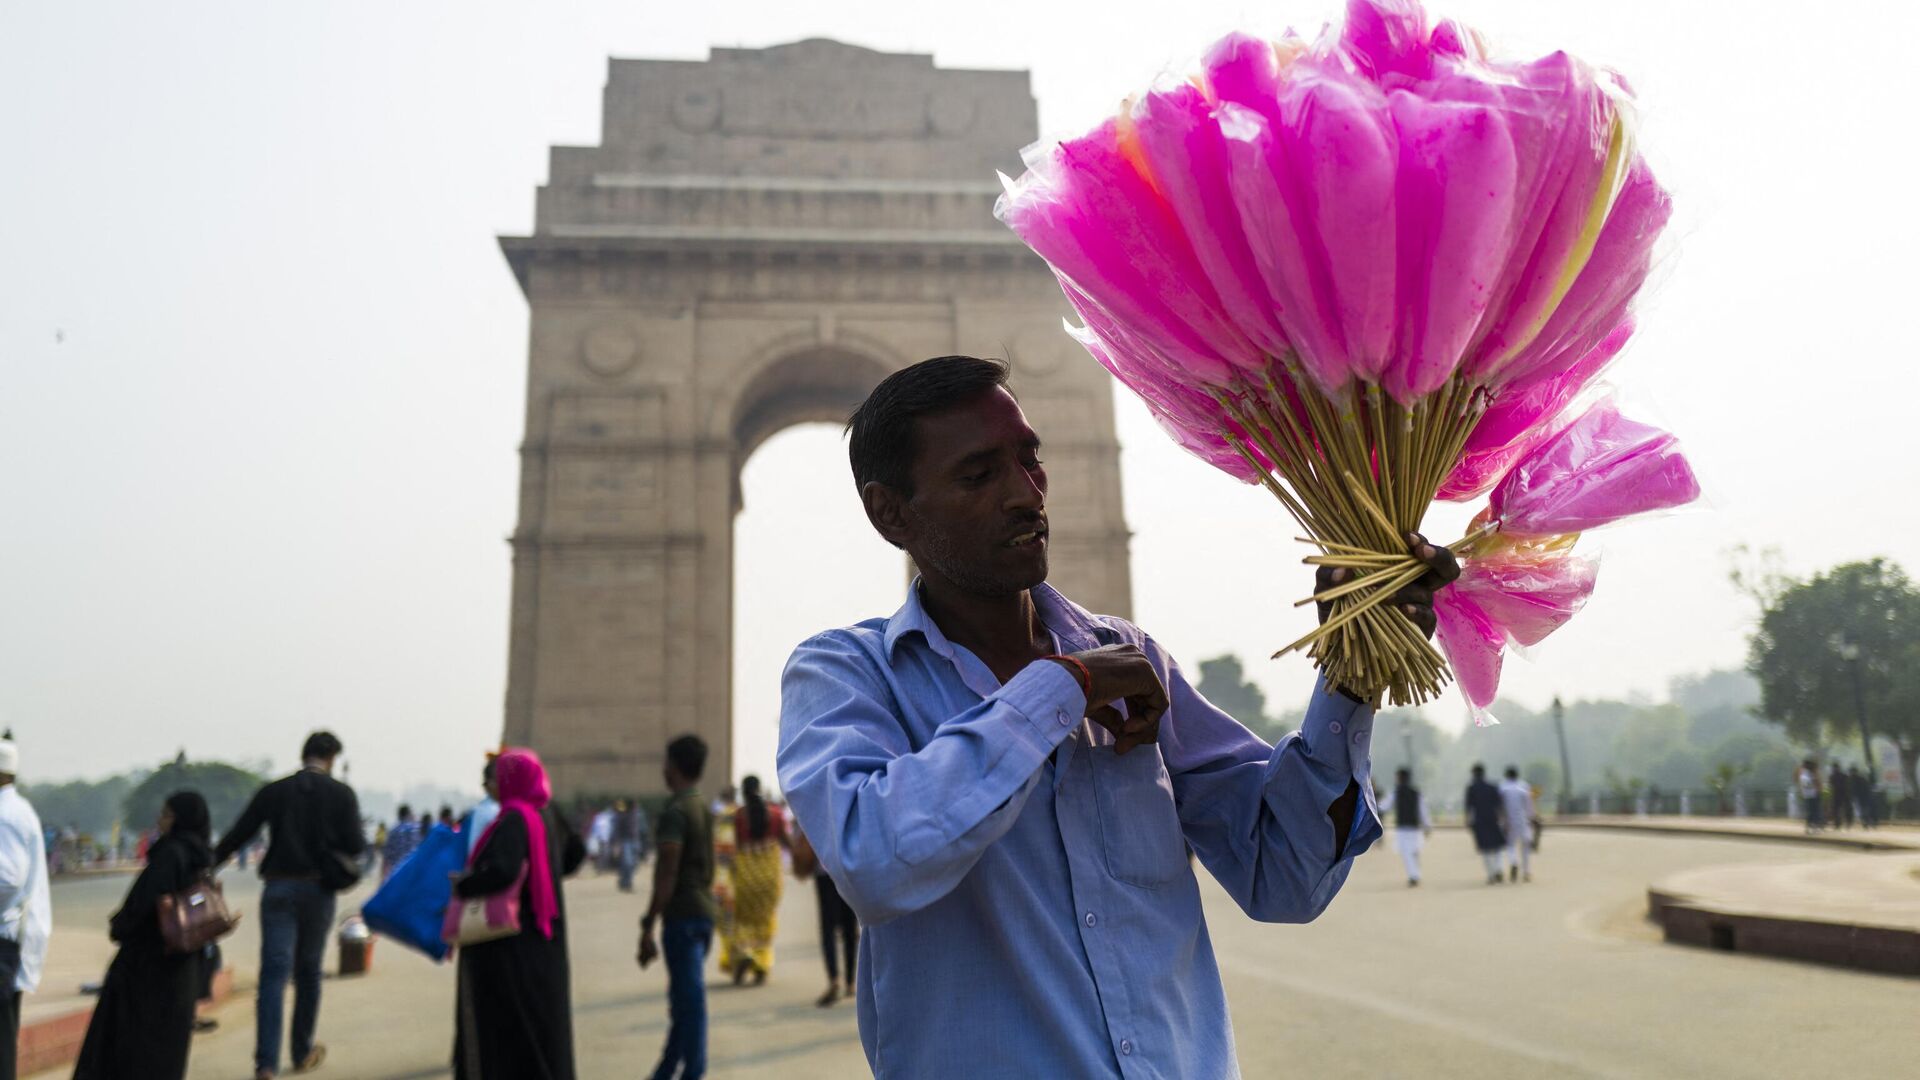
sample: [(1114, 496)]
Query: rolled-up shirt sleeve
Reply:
[(1258, 816), (895, 827)]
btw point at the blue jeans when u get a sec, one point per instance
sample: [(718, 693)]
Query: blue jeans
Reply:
[(684, 942), (295, 917)]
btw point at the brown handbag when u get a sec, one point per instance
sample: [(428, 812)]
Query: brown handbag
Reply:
[(195, 917), (805, 862)]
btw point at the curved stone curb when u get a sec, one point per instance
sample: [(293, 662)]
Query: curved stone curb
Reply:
[(1861, 912), (1895, 839)]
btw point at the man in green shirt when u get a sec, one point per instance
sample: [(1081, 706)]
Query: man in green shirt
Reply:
[(683, 902)]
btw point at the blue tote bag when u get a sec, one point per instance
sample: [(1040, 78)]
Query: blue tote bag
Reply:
[(410, 906)]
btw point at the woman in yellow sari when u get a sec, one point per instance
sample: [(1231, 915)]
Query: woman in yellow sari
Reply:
[(759, 834)]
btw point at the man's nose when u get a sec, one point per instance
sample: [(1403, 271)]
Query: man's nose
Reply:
[(1024, 493)]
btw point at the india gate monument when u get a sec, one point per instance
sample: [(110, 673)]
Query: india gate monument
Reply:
[(757, 240)]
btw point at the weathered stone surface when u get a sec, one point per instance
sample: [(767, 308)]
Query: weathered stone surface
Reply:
[(758, 239)]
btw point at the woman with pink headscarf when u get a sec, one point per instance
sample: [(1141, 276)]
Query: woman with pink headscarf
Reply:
[(515, 1012)]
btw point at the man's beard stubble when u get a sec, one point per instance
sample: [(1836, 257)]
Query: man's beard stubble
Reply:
[(941, 555)]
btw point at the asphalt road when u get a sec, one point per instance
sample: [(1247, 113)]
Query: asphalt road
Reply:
[(1562, 977)]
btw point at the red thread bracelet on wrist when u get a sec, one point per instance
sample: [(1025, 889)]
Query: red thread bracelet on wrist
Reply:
[(1085, 673)]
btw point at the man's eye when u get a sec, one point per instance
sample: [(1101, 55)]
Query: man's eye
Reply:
[(975, 478)]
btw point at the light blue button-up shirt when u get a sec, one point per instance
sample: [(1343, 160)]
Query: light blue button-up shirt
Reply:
[(1029, 906)]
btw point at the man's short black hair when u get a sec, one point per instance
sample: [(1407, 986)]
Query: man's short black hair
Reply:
[(880, 442), (1513, 773), (1479, 769), (321, 746), (405, 812), (688, 755)]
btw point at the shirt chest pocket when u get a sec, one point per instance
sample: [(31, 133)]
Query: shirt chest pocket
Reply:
[(1139, 825)]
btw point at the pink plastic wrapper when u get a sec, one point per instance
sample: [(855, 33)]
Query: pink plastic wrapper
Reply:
[(1600, 469), (1528, 596), (1512, 597), (1523, 415), (1474, 648)]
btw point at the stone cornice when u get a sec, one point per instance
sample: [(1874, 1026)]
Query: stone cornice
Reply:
[(811, 252), (552, 540)]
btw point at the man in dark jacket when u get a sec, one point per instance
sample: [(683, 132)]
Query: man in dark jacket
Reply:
[(312, 853), (1483, 818)]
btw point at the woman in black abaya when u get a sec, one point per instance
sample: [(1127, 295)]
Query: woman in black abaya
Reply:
[(514, 1018), (143, 1026)]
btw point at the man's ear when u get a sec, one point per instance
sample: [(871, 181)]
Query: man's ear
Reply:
[(887, 512)]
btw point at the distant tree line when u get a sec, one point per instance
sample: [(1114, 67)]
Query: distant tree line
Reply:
[(1615, 747), (1826, 650), (132, 800)]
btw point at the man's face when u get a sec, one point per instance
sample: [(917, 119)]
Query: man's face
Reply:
[(978, 514)]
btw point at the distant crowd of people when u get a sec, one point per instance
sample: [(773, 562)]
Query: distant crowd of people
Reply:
[(718, 881), (1847, 796), (1501, 818)]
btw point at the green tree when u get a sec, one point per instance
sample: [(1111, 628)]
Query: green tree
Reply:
[(225, 787), (1544, 776), (1223, 681), (1392, 733), (1653, 746), (1800, 654), (88, 806)]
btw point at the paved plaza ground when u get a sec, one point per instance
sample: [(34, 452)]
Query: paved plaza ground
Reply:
[(1563, 977)]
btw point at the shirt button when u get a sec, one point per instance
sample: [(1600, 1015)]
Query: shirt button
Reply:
[(1334, 726), (1064, 718), (1091, 921), (1126, 1046)]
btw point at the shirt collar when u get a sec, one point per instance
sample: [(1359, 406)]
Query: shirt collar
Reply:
[(1076, 627)]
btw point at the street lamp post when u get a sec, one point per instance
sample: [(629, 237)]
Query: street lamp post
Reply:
[(1566, 767), (1850, 653)]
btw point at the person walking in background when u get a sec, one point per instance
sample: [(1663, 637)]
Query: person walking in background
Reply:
[(26, 904), (1807, 779), (484, 811), (837, 920), (514, 1016), (1411, 822), (683, 905), (600, 840), (142, 1026), (313, 826), (629, 835), (405, 835), (1839, 798), (1516, 807), (759, 835), (1483, 810), (1866, 797)]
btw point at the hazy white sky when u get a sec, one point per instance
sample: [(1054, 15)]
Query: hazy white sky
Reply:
[(261, 364)]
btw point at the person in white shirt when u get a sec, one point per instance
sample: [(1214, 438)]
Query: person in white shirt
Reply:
[(1412, 824), (26, 906), (600, 841), (1808, 780), (485, 810), (1516, 805)]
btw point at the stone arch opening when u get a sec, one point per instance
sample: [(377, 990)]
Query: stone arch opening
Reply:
[(800, 531), (809, 384)]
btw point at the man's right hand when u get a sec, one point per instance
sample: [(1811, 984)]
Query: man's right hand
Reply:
[(1121, 673)]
